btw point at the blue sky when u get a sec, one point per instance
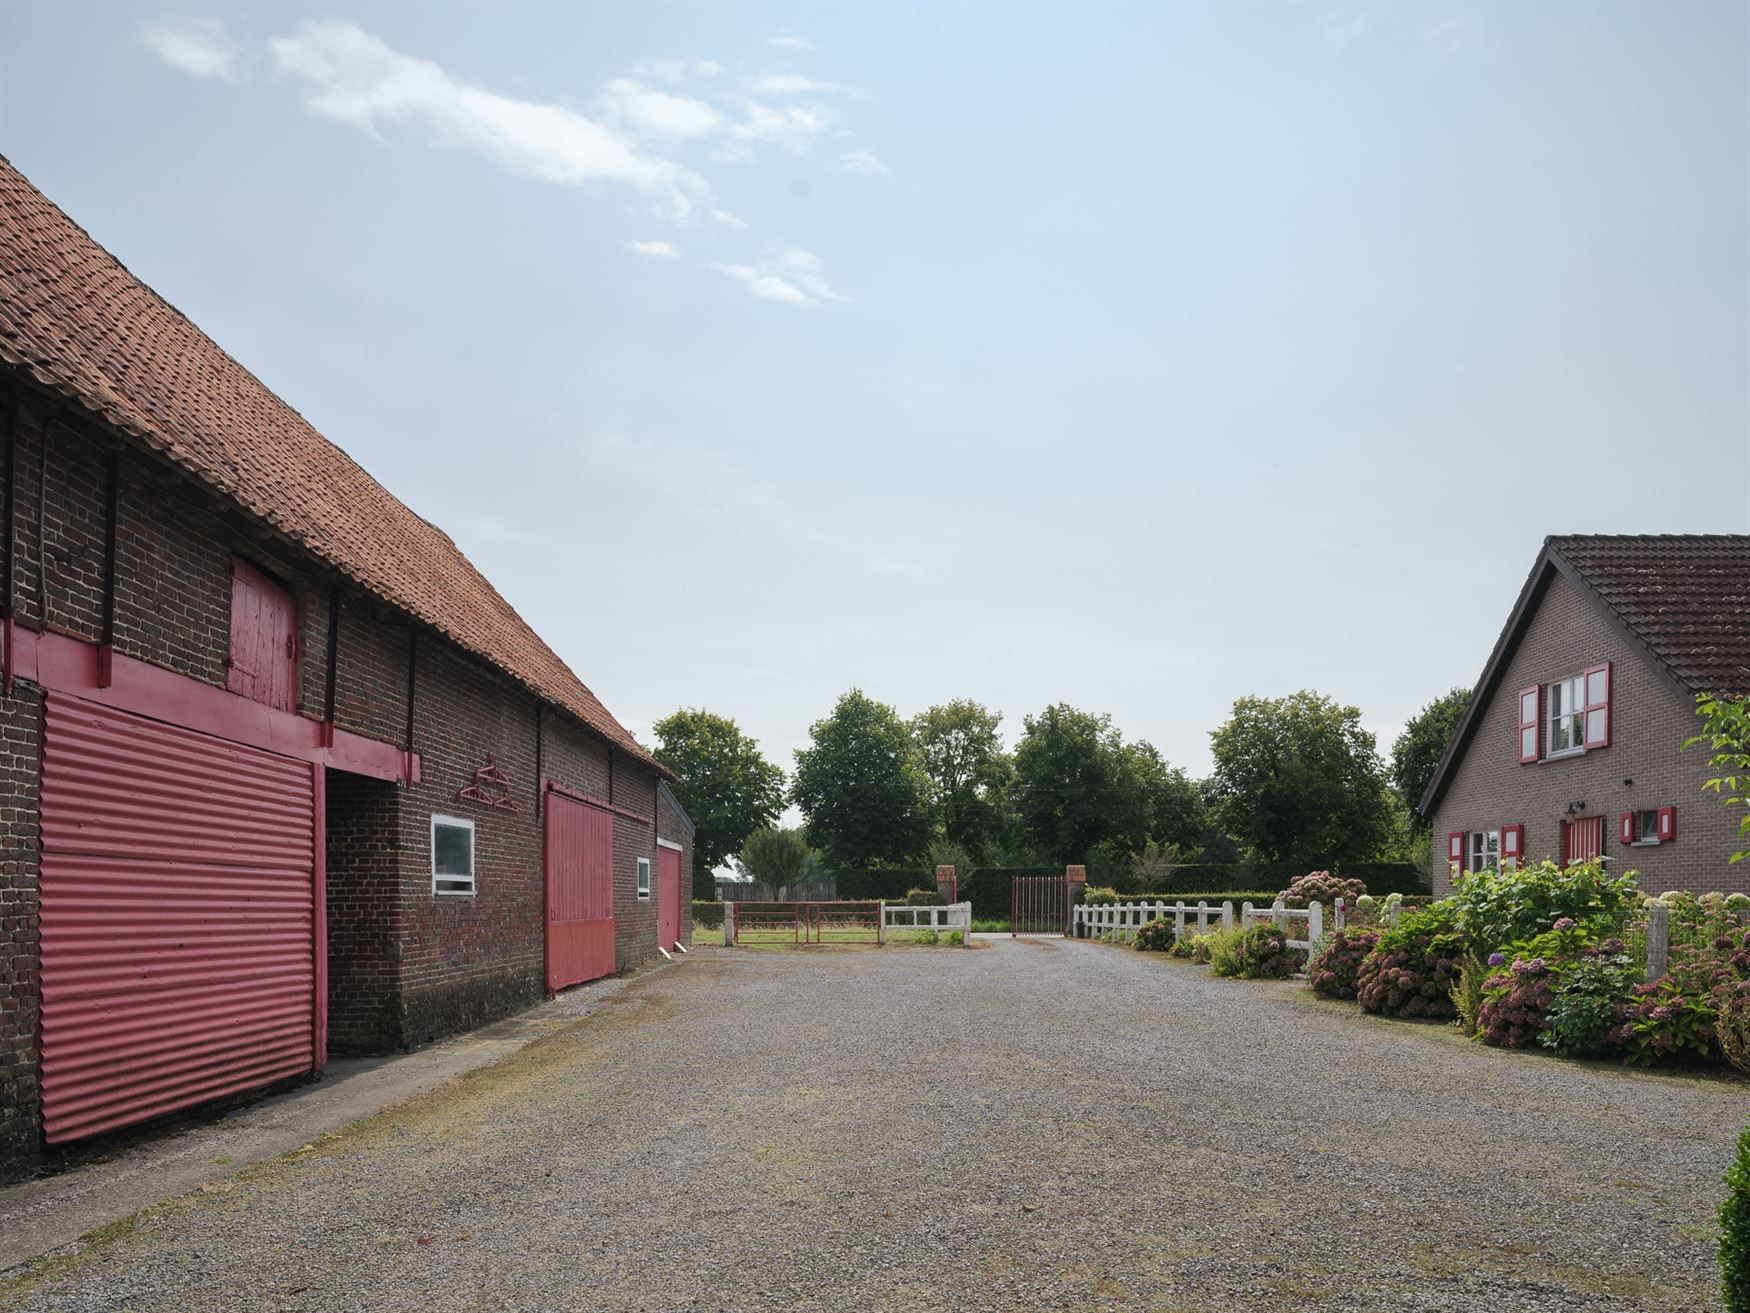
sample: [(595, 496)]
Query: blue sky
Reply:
[(1138, 357)]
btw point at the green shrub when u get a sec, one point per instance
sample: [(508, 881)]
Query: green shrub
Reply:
[(1259, 952), (922, 898), (1496, 908), (1334, 968), (1735, 1232), (1099, 896), (707, 914), (955, 937), (1733, 1025), (1155, 937), (1191, 947), (1411, 971), (1588, 991)]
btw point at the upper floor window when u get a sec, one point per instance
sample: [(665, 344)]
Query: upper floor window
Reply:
[(1568, 716), (264, 639)]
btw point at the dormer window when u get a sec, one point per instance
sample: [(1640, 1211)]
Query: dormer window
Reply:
[(1564, 704)]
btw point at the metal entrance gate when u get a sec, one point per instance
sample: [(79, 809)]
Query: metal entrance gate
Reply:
[(580, 892), (1039, 905), (182, 939)]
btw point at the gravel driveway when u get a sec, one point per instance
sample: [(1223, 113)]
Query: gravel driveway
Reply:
[(1029, 1125)]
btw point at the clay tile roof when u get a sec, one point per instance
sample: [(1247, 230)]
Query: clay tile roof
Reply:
[(1686, 596), (81, 325)]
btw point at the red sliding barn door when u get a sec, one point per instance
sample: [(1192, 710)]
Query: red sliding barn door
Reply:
[(1583, 840), (180, 917), (668, 897), (580, 892)]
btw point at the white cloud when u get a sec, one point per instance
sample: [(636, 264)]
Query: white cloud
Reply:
[(677, 70), (727, 219), (656, 250), (355, 78), (791, 84), (794, 278), (645, 110), (793, 127), (861, 161), (199, 47), (790, 43)]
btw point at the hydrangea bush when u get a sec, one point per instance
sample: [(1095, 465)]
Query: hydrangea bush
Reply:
[(1413, 967), (1321, 887), (1334, 970), (1259, 952), (1155, 936), (1498, 908)]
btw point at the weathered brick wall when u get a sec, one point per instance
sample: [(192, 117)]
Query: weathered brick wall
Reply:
[(20, 980), (364, 906), (634, 917), (1644, 767), (469, 959)]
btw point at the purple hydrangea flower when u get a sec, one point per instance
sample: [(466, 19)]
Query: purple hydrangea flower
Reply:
[(1565, 923), (1496, 959)]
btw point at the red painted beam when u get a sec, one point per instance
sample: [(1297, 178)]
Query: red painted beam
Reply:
[(577, 795), (110, 678)]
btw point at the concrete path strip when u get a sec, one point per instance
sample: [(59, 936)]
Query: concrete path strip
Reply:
[(42, 1215)]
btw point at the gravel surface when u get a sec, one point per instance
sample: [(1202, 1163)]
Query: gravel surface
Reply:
[(1029, 1125)]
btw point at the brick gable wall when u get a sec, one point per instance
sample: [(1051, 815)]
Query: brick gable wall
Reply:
[(1650, 720)]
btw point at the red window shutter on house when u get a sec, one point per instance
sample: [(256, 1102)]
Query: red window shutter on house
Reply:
[(1512, 845), (1455, 849), (1597, 706), (1667, 824), (1626, 824), (1528, 723)]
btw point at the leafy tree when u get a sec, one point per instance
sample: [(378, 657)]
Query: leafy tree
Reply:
[(1298, 780), (862, 787), (962, 753), (1416, 751), (776, 857), (1726, 729), (728, 788), (1078, 786), (1176, 814)]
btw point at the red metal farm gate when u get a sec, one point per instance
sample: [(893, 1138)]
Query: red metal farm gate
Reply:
[(668, 898), (580, 892), (1040, 905), (183, 953)]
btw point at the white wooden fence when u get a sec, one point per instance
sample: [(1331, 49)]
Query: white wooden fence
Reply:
[(943, 920), (1283, 916), (1123, 920)]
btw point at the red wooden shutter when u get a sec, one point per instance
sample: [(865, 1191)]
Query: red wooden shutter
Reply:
[(1528, 698), (1596, 700), (1667, 824), (1512, 846), (1455, 849), (1627, 821)]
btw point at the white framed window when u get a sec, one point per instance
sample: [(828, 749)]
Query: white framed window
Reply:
[(452, 855), (644, 877), (1647, 826), (1565, 717), (1484, 851)]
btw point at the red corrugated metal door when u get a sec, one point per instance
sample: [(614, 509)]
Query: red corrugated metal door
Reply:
[(179, 918), (580, 892), (668, 897)]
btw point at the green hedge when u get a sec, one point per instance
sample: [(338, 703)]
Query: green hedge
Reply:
[(1380, 877), (890, 883), (707, 914)]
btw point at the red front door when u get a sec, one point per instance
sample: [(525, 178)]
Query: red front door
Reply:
[(668, 897), (580, 892), (1583, 840)]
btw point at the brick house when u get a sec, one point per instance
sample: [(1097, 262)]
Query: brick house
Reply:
[(280, 772), (1571, 743)]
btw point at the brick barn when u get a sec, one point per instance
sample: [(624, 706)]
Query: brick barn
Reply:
[(1572, 743), (281, 774)]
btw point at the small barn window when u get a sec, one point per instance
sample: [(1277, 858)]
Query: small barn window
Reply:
[(452, 855), (644, 877)]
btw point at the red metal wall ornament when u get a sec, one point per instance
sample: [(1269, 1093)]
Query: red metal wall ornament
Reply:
[(491, 786)]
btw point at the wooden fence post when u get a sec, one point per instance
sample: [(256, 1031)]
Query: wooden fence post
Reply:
[(1179, 920), (1227, 915), (1315, 924), (1658, 940), (1279, 914)]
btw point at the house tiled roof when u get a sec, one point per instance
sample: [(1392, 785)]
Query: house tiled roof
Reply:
[(1685, 596), (82, 326)]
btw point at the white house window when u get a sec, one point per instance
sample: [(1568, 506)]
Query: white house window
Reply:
[(1647, 826), (1565, 707), (644, 877), (452, 855), (1485, 851)]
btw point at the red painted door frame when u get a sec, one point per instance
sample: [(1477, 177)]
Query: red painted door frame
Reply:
[(668, 898)]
